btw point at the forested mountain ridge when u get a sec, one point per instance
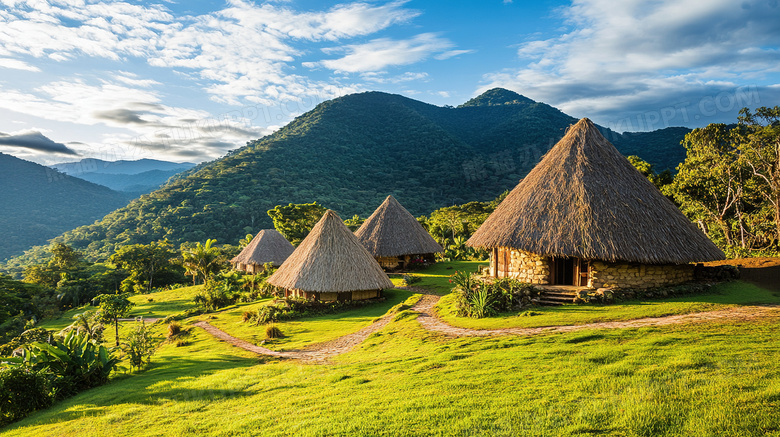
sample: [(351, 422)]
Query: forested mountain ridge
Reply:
[(40, 203), (348, 154)]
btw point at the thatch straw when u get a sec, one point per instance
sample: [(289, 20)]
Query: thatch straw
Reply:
[(584, 199), (268, 246), (330, 259), (392, 231)]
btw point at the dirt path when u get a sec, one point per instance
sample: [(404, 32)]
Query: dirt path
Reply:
[(430, 321), (321, 353)]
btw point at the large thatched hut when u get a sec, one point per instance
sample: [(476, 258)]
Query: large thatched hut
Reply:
[(268, 246), (584, 216), (331, 264), (395, 238)]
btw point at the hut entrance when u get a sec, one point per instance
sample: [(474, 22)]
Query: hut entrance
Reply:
[(569, 271)]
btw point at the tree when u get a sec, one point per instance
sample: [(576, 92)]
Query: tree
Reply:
[(113, 307), (64, 257), (144, 262), (658, 179), (202, 261), (244, 242), (140, 345), (295, 221), (708, 184), (759, 142), (354, 223)]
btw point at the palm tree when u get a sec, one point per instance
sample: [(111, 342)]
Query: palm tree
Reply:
[(202, 261)]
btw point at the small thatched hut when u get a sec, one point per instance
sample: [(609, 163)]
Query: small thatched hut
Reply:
[(331, 264), (395, 238), (268, 246), (585, 217)]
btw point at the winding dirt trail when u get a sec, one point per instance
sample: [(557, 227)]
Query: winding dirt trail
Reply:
[(318, 354), (430, 321), (321, 353)]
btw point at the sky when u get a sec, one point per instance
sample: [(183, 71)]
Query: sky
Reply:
[(189, 81)]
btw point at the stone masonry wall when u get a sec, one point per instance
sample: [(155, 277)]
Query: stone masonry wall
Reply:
[(620, 275), (524, 266)]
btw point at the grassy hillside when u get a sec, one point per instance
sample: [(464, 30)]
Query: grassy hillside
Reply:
[(39, 203), (700, 379), (349, 154)]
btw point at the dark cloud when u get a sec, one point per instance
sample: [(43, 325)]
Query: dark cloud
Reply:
[(124, 116), (35, 141), (147, 106)]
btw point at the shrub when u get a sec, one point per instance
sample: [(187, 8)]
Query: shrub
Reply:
[(76, 362), (89, 323), (174, 329), (22, 391), (35, 335), (215, 295), (139, 345), (478, 299), (273, 332), (294, 308), (410, 279)]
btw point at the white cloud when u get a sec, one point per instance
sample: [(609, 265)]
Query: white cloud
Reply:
[(244, 52), (17, 65), (381, 53), (632, 56), (451, 53)]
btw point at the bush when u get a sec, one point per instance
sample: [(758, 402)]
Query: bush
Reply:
[(22, 391), (35, 335), (215, 295), (140, 345), (410, 279), (273, 332), (294, 308), (174, 329), (76, 362), (479, 299)]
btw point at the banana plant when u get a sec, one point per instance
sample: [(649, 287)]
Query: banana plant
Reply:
[(76, 362)]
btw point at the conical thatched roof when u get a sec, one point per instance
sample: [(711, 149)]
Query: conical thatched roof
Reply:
[(393, 231), (584, 199), (330, 259), (268, 246)]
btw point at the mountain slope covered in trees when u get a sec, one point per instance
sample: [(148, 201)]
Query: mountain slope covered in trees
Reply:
[(349, 154), (40, 203)]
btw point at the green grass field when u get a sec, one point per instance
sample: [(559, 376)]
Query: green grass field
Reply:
[(705, 379)]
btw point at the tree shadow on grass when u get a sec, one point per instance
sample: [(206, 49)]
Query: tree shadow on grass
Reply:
[(137, 388)]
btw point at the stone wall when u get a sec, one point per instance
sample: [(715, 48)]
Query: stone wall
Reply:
[(523, 266), (622, 275)]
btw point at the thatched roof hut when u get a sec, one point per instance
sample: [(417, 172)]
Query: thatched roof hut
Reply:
[(268, 246), (330, 263), (392, 232), (585, 200)]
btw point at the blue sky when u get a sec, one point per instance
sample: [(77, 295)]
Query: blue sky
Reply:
[(188, 81)]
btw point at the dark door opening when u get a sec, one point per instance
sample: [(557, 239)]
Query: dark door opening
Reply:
[(569, 271), (564, 271)]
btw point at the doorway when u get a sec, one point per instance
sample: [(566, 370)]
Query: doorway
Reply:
[(569, 271)]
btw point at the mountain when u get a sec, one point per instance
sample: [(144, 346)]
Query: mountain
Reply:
[(138, 177), (349, 154), (93, 165), (40, 203)]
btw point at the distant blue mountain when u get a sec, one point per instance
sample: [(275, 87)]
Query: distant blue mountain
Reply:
[(138, 177), (93, 165)]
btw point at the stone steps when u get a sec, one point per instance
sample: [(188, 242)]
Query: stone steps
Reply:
[(556, 297)]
